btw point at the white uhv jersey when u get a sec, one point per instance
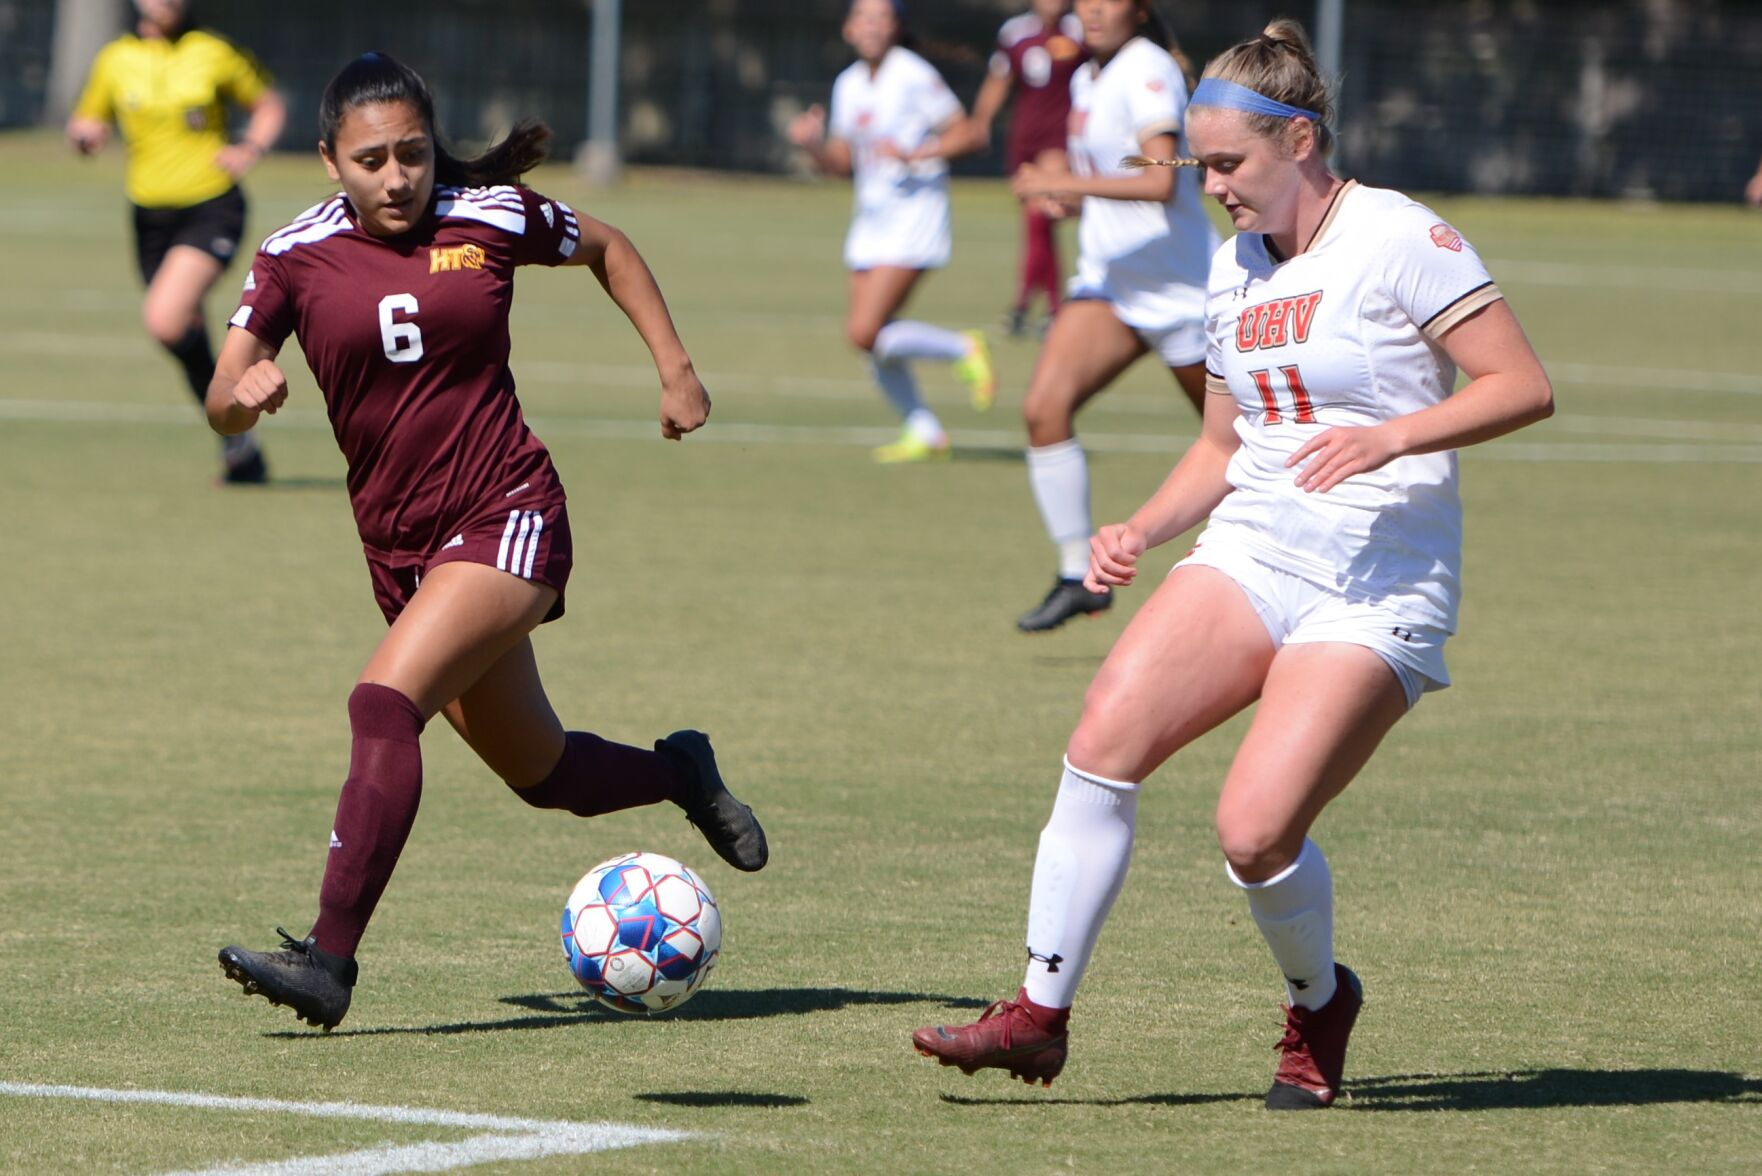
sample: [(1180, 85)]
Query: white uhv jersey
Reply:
[(900, 215), (1149, 259), (1346, 333)]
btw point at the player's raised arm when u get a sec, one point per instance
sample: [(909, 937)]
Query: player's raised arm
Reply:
[(246, 384), (685, 405)]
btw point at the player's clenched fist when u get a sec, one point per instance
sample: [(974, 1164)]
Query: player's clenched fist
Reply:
[(1113, 556), (685, 406), (262, 388)]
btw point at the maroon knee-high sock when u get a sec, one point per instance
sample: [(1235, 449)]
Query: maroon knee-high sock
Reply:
[(597, 776), (1041, 268), (1026, 275), (373, 814)]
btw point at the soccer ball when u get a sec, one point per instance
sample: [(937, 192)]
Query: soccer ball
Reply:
[(641, 933)]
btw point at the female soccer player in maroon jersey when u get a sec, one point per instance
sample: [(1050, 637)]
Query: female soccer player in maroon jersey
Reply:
[(399, 289), (1037, 52)]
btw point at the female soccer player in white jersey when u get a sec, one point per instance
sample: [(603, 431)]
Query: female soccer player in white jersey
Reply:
[(1146, 245), (894, 126), (1324, 586)]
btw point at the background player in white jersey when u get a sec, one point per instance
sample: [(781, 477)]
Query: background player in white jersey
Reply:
[(1140, 284), (894, 126), (1325, 585)]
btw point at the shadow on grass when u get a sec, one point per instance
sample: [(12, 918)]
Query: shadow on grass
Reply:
[(722, 1098), (1541, 1089), (1129, 1100), (987, 453), (552, 1010), (1517, 1090)]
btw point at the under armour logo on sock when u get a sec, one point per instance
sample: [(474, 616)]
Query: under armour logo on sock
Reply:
[(335, 841), (1299, 985), (1052, 961)]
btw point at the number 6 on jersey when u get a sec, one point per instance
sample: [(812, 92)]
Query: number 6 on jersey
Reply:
[(403, 340)]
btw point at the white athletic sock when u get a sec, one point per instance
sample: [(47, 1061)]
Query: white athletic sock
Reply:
[(901, 390), (905, 339), (1084, 851), (1295, 912), (1059, 475)]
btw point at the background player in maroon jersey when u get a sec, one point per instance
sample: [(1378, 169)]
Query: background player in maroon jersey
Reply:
[(399, 290), (1037, 52)]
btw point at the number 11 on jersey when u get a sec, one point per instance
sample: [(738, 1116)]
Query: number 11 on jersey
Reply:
[(1302, 411)]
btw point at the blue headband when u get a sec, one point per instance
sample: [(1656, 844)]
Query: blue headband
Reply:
[(1230, 96)]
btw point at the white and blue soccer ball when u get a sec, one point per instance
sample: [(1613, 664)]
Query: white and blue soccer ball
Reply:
[(641, 932)]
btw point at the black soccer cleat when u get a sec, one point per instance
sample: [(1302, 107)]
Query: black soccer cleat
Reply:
[(314, 983), (241, 461), (729, 826), (1067, 599)]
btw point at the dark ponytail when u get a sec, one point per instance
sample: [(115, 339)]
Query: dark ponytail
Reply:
[(1155, 29), (377, 77)]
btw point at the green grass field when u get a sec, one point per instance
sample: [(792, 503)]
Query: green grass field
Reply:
[(1548, 877)]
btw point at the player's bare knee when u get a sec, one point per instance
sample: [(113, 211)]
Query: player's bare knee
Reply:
[(1102, 746), (167, 328), (1255, 849), (861, 333), (1048, 414)]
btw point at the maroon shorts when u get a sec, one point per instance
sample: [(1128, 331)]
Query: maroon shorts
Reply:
[(1028, 150), (532, 543)]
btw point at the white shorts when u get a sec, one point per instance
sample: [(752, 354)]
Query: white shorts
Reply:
[(1298, 612), (1180, 344), (911, 232)]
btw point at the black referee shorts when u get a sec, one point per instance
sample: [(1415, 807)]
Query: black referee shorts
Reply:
[(213, 226)]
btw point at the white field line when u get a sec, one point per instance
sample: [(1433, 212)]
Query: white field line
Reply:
[(1676, 278), (503, 1139), (1742, 444), (110, 345)]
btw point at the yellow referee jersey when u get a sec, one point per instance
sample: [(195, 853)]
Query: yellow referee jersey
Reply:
[(168, 99)]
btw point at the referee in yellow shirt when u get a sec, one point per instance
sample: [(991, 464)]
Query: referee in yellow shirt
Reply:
[(167, 87)]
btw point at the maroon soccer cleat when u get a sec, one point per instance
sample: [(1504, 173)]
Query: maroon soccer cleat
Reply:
[(1005, 1037), (1314, 1048)]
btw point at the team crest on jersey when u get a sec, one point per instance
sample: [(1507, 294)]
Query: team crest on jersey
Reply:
[(1061, 47), (1445, 237), (455, 257), (1276, 323)]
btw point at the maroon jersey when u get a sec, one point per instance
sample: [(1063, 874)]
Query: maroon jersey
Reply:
[(1041, 60), (407, 337)]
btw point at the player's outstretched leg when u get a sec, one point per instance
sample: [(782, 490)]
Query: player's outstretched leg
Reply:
[(1078, 870), (1313, 1050), (1016, 1035), (729, 826), (314, 983)]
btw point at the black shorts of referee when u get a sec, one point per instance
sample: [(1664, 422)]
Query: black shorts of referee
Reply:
[(213, 226)]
